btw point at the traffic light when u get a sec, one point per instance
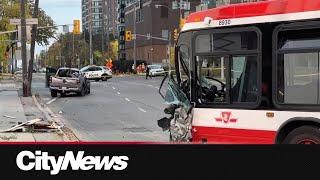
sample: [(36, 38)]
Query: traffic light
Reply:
[(175, 34), (76, 27), (128, 36), (182, 23)]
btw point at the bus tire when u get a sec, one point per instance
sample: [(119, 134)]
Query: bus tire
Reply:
[(303, 135)]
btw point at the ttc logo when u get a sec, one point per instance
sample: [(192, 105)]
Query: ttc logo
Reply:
[(226, 118)]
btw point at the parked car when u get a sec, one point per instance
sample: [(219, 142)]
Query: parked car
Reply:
[(68, 80), (156, 70), (97, 73)]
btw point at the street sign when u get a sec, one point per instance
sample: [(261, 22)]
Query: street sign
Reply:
[(134, 36), (28, 29), (15, 21), (149, 36), (185, 5), (175, 5), (66, 29), (30, 21), (165, 34)]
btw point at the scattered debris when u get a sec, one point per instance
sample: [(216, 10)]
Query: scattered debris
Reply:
[(35, 125), (8, 138), (10, 117), (29, 114)]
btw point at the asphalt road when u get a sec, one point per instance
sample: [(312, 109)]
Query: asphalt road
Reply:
[(121, 109)]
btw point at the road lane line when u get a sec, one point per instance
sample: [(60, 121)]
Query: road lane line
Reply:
[(118, 93), (51, 101), (150, 85), (127, 99), (142, 109), (113, 88)]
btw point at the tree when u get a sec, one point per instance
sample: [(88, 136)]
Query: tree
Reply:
[(11, 9), (44, 34), (64, 46), (114, 49)]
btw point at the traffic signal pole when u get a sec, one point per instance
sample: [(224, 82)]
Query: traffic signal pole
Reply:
[(90, 32)]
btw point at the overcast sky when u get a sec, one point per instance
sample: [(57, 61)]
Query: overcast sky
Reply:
[(62, 12)]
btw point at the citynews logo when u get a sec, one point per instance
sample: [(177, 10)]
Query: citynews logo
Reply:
[(39, 161)]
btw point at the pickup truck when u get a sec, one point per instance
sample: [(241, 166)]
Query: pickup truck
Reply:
[(69, 80)]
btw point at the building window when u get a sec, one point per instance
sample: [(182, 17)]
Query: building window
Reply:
[(164, 12), (139, 15)]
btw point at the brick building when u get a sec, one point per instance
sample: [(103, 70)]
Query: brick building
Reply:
[(154, 20)]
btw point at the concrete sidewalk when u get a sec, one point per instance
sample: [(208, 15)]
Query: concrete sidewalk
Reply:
[(15, 109)]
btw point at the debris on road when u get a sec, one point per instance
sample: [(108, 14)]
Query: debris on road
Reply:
[(10, 117), (35, 125)]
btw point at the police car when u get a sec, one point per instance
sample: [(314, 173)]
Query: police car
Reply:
[(97, 73)]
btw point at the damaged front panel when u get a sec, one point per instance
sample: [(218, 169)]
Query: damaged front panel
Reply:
[(180, 109)]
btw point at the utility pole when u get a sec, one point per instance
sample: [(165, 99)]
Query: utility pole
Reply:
[(32, 49), (103, 26), (169, 51), (90, 32), (24, 48), (134, 40), (73, 59)]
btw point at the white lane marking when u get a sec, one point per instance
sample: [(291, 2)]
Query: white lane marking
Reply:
[(118, 93), (150, 85), (127, 99), (113, 88), (157, 88), (51, 101), (142, 109)]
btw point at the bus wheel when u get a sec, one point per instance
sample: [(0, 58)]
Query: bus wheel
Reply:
[(304, 135)]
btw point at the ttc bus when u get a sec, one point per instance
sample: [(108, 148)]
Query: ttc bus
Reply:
[(247, 74)]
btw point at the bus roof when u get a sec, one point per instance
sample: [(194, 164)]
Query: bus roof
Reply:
[(253, 13)]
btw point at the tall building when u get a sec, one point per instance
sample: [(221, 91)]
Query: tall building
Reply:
[(95, 12), (121, 29), (156, 18), (110, 14)]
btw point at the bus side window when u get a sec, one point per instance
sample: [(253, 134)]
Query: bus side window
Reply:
[(298, 66), (212, 74)]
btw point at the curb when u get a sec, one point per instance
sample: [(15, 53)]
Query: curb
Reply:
[(50, 116)]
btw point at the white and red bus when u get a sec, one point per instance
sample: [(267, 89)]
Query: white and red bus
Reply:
[(250, 73)]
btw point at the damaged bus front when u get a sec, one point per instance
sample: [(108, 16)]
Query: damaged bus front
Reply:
[(176, 91)]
